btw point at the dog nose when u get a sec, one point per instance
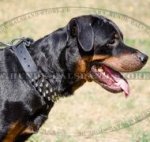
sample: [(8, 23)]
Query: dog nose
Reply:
[(143, 58)]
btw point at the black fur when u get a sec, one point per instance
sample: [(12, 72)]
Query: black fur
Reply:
[(56, 56)]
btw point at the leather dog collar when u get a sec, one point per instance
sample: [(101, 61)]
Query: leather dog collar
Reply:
[(37, 79)]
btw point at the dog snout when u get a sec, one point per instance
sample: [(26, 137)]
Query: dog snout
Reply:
[(143, 57)]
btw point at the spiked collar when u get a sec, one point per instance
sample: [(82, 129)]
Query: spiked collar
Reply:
[(37, 79)]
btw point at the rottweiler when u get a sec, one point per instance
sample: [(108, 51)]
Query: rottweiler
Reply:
[(89, 48)]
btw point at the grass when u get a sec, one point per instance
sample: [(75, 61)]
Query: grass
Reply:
[(142, 137), (91, 108)]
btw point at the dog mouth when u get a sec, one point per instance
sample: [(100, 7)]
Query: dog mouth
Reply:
[(109, 79)]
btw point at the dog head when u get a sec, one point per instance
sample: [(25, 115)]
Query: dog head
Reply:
[(103, 54), (91, 46)]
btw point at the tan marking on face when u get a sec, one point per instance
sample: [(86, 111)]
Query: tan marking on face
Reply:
[(14, 130), (124, 63), (81, 66), (100, 57), (114, 63)]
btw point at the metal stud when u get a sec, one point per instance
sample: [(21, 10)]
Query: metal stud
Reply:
[(46, 85), (37, 77), (44, 94), (40, 90), (49, 98), (46, 91), (32, 80), (41, 85), (42, 80), (51, 90), (36, 84)]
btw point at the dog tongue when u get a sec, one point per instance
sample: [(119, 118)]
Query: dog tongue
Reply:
[(119, 79), (123, 85)]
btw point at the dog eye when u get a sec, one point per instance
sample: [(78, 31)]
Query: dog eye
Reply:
[(112, 41)]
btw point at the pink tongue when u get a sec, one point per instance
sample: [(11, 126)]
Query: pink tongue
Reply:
[(123, 85), (119, 79)]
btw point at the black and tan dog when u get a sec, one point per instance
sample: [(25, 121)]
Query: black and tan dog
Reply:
[(89, 48)]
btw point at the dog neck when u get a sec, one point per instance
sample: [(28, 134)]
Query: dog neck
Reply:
[(45, 89), (33, 74), (51, 61)]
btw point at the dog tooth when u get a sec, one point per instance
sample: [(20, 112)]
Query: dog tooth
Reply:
[(100, 70)]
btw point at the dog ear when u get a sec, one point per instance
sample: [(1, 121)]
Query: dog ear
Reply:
[(84, 32)]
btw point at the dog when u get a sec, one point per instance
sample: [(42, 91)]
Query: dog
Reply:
[(89, 48)]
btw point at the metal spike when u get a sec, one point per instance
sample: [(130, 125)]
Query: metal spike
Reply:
[(43, 80), (32, 80), (41, 85), (37, 77), (46, 85), (36, 84), (40, 90), (51, 90), (49, 98), (46, 91), (44, 94)]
